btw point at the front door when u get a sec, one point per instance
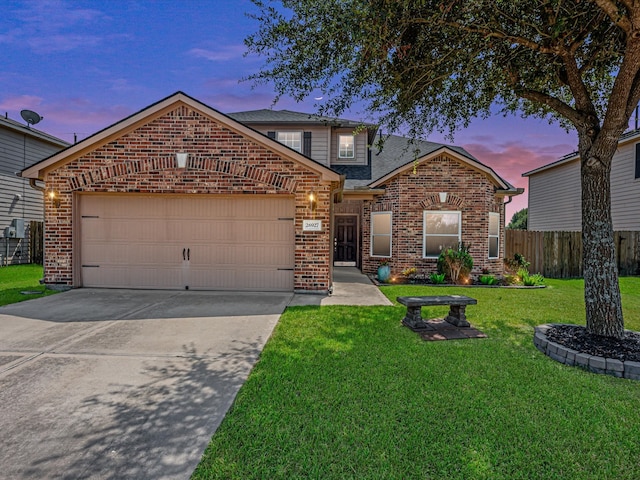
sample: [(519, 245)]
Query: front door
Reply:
[(346, 240)]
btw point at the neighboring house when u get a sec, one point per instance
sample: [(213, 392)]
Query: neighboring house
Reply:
[(20, 147), (180, 195), (555, 191), (403, 201)]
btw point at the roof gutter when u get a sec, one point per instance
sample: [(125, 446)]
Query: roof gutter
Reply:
[(32, 184)]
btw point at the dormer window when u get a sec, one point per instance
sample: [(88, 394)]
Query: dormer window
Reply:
[(346, 146), (290, 139)]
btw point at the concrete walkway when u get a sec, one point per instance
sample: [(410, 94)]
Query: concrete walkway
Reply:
[(119, 384), (350, 287), (111, 384)]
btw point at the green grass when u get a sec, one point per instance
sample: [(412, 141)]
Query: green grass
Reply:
[(15, 279), (347, 392)]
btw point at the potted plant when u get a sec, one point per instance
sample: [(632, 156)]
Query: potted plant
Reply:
[(384, 271)]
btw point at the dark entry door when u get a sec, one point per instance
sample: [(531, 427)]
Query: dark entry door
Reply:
[(346, 240)]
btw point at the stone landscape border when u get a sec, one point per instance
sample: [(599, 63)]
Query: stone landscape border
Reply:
[(573, 358)]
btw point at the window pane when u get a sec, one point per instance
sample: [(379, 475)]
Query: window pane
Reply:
[(381, 246), (493, 247), (345, 146), (381, 223), (442, 223), (494, 224), (290, 139), (436, 244)]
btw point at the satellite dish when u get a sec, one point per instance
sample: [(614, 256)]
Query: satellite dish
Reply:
[(30, 117)]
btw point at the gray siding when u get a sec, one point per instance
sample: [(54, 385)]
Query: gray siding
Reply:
[(20, 148), (554, 199), (19, 200), (625, 190), (319, 137), (360, 145), (555, 195), (18, 152)]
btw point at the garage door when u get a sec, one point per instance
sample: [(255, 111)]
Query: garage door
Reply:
[(196, 242)]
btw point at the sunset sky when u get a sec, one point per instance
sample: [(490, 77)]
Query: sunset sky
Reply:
[(84, 65)]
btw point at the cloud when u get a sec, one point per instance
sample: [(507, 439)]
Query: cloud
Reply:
[(20, 102), (222, 54), (511, 159), (54, 15), (49, 26)]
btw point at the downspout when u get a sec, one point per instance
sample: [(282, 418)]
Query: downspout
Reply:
[(32, 184)]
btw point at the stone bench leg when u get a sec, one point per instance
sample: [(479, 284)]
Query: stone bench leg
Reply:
[(413, 318), (457, 317)]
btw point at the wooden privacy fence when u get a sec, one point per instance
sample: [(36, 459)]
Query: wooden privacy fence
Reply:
[(559, 254), (36, 242)]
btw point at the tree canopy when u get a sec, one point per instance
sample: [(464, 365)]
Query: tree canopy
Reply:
[(437, 64), (519, 220)]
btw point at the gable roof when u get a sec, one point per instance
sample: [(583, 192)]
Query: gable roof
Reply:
[(146, 115), (18, 127), (398, 154), (269, 116), (633, 135)]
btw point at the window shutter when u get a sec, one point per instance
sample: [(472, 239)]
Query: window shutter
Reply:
[(306, 143), (271, 135), (637, 160)]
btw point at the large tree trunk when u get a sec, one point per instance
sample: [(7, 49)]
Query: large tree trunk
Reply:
[(601, 288)]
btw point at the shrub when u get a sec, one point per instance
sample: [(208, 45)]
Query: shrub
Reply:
[(437, 278), (456, 264), (409, 272), (530, 280), (488, 280), (518, 262)]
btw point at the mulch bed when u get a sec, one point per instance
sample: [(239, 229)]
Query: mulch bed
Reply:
[(437, 329), (577, 338)]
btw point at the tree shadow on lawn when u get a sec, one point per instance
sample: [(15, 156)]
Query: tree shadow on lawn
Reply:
[(158, 429)]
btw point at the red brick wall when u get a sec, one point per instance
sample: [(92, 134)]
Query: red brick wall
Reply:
[(409, 194), (220, 162)]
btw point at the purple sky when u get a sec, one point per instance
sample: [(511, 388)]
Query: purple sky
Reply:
[(84, 65)]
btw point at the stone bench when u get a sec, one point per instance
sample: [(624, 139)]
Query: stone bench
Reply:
[(457, 305)]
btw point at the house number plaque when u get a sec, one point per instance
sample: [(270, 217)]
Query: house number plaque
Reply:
[(311, 225)]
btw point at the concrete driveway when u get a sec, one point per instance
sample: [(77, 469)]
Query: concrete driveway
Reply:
[(116, 384)]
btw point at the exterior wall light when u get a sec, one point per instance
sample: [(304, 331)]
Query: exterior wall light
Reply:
[(313, 202), (54, 197)]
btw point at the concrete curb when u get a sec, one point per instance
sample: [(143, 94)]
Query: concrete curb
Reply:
[(592, 363)]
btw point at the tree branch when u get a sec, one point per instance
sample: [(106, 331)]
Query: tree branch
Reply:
[(489, 33), (553, 103), (624, 87), (611, 9), (575, 81)]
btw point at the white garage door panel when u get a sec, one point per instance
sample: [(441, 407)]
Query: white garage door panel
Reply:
[(233, 243)]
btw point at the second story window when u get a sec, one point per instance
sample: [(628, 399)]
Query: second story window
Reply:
[(346, 146), (290, 139)]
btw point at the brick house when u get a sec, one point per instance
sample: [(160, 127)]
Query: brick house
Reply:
[(403, 201), (181, 196)]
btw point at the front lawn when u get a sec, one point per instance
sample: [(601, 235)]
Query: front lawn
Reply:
[(16, 279), (347, 392)]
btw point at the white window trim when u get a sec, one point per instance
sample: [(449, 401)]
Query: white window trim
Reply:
[(493, 236), (298, 132), (390, 235), (353, 152), (424, 229)]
